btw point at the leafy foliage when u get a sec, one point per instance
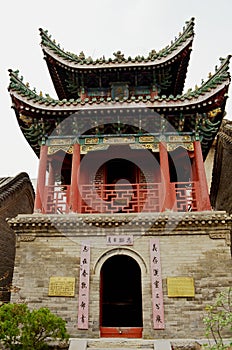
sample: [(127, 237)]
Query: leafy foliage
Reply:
[(219, 320), (23, 329)]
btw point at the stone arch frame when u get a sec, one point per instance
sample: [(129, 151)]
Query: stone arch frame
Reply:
[(96, 272), (120, 251)]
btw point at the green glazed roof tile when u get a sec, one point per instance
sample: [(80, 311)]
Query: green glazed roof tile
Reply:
[(46, 41), (219, 77)]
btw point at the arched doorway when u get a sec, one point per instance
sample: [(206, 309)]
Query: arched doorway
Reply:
[(121, 297)]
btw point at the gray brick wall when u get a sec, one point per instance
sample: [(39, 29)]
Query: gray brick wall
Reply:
[(200, 250)]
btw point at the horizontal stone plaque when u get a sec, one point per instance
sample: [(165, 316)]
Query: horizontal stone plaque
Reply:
[(180, 287), (119, 240), (61, 287)]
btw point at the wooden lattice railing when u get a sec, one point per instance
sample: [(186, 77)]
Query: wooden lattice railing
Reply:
[(57, 199), (122, 198), (185, 196)]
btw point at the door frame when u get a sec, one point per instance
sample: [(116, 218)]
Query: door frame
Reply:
[(117, 331)]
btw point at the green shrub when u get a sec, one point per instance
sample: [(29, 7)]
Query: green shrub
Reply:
[(23, 329), (219, 320)]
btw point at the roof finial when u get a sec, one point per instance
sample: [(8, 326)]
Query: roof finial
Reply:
[(118, 55), (152, 53), (81, 55)]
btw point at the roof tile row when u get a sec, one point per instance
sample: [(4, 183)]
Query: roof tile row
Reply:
[(80, 59), (220, 76)]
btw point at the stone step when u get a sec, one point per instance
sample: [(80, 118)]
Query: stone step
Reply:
[(119, 344), (122, 343), (111, 344), (120, 348)]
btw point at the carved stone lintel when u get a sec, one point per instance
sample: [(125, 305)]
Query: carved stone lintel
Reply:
[(225, 236), (27, 238)]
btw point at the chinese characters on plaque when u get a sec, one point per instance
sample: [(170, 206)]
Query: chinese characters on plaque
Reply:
[(119, 240), (180, 287), (157, 289), (61, 286), (83, 303)]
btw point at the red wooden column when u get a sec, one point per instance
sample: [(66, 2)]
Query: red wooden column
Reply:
[(167, 191), (39, 198), (202, 193), (75, 198)]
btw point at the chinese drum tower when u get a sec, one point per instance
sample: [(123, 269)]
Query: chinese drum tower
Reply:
[(123, 241)]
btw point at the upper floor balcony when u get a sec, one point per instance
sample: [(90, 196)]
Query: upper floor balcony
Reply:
[(123, 198), (175, 182)]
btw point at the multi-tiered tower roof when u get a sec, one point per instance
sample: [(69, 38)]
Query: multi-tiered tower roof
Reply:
[(134, 101), (121, 156)]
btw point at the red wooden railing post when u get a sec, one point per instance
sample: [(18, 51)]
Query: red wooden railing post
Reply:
[(75, 197), (137, 191), (40, 187), (202, 194)]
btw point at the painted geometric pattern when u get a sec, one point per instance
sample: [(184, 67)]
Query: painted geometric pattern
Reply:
[(186, 196), (57, 199), (121, 198), (124, 198)]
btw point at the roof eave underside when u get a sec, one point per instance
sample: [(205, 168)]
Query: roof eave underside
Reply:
[(58, 67), (176, 55)]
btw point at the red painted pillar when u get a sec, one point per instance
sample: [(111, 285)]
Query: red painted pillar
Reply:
[(202, 193), (167, 191), (75, 198), (39, 198)]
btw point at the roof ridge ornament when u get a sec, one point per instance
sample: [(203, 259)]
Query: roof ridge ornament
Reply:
[(17, 84), (183, 36), (119, 56), (220, 75)]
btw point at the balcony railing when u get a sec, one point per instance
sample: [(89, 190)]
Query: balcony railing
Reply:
[(57, 199), (122, 198)]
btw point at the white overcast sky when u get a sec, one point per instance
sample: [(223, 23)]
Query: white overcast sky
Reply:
[(99, 27)]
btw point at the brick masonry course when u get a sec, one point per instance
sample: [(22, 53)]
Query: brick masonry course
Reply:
[(50, 246)]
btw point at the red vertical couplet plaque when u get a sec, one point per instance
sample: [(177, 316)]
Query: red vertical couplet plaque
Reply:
[(83, 307), (157, 289)]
